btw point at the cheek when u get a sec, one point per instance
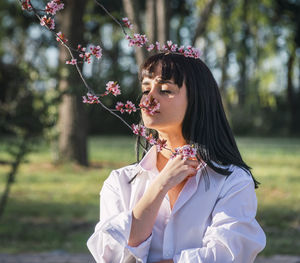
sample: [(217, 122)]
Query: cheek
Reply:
[(142, 98), (182, 107)]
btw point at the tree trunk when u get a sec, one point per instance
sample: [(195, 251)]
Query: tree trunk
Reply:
[(162, 16), (226, 33), (72, 118), (22, 151), (243, 53), (151, 21), (224, 78), (204, 18), (131, 8)]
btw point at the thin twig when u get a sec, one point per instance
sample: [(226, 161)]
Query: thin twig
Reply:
[(112, 17)]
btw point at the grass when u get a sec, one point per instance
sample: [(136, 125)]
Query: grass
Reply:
[(56, 207)]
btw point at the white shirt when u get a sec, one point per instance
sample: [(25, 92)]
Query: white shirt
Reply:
[(205, 225)]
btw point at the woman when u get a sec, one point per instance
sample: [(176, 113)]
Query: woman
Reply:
[(166, 209)]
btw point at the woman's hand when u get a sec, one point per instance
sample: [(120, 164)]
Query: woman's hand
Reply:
[(145, 211), (175, 171)]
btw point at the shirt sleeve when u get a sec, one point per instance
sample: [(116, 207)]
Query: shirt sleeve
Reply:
[(109, 242), (234, 234)]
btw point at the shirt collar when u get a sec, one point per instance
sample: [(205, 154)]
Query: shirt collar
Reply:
[(148, 163)]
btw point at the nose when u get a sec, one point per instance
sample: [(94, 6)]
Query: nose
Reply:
[(152, 91), (153, 88)]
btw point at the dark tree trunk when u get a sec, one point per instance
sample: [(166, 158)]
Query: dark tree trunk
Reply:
[(22, 151), (224, 78), (203, 21), (151, 20), (243, 54), (162, 16), (226, 12), (72, 117)]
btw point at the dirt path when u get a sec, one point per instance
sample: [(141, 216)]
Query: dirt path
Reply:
[(63, 257)]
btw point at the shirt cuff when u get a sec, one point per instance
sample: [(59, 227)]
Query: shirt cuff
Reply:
[(119, 228)]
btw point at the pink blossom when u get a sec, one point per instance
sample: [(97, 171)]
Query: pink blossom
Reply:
[(120, 106), (169, 43), (150, 139), (160, 144), (150, 105), (181, 49), (150, 47), (96, 51), (54, 6), (164, 47), (135, 129), (73, 61), (26, 5), (137, 40), (48, 22), (174, 47), (90, 99), (197, 53), (113, 88), (189, 51), (130, 107), (142, 130), (61, 37), (86, 57), (139, 129), (127, 22), (157, 45), (187, 152), (170, 46)]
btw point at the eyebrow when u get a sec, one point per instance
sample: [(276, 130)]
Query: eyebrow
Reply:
[(161, 81)]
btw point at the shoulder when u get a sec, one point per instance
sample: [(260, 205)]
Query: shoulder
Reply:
[(239, 175), (240, 179), (121, 176)]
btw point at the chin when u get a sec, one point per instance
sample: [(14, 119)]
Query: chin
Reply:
[(150, 125), (149, 122)]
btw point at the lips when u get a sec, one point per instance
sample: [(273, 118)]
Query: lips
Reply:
[(150, 114)]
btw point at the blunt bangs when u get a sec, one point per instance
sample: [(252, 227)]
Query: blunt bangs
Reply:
[(171, 67)]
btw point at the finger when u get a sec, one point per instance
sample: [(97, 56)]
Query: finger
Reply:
[(189, 169), (191, 173), (193, 163)]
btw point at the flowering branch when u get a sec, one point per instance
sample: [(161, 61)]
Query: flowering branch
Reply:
[(150, 105), (27, 5)]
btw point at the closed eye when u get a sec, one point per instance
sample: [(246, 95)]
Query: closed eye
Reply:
[(165, 91), (145, 92)]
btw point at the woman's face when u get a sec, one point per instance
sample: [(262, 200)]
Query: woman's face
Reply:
[(173, 103)]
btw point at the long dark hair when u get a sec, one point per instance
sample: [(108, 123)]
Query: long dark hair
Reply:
[(205, 124)]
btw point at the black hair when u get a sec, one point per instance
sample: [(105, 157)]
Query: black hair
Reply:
[(205, 124)]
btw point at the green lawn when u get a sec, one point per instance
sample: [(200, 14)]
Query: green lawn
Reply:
[(56, 207)]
